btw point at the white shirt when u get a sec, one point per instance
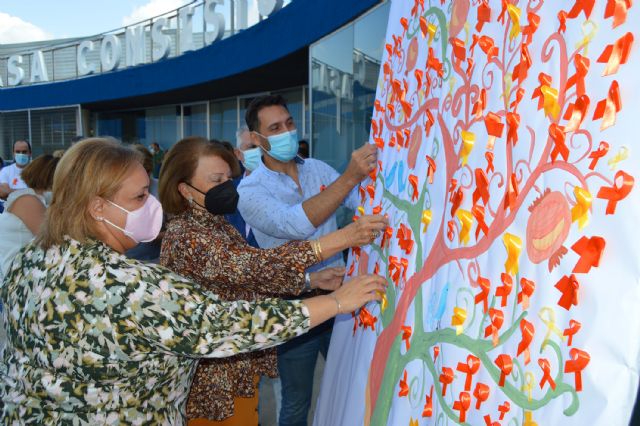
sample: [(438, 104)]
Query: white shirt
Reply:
[(11, 176)]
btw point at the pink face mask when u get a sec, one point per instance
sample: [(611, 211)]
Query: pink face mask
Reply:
[(143, 225)]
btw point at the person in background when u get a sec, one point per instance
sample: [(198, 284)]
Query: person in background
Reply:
[(158, 156), (10, 178), (147, 163), (301, 197), (249, 155), (303, 148), (196, 188), (25, 210), (96, 338)]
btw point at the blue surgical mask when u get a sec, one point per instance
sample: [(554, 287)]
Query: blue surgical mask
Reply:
[(22, 159), (284, 147), (252, 158)]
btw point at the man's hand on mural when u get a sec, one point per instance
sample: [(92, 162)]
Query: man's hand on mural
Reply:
[(363, 161)]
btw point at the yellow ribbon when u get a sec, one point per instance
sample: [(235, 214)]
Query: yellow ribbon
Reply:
[(466, 221), (588, 35), (513, 244), (468, 140), (361, 210), (529, 381), (551, 106), (550, 322), (528, 419), (622, 155), (431, 30), (413, 422), (508, 83), (452, 85), (514, 13), (426, 219), (580, 212), (383, 302), (458, 319)]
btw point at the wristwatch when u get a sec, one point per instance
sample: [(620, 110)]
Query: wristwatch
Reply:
[(307, 282)]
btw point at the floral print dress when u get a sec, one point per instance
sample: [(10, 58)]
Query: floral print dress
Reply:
[(209, 250), (96, 338)]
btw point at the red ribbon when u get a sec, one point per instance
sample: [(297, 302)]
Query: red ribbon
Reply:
[(558, 135), (505, 364), (489, 157), (377, 209), (578, 362), (488, 422), (576, 112), (451, 227), (434, 63), (504, 409), (505, 289), (406, 336), (485, 288), (585, 6), (546, 373), (459, 50), (568, 286), (497, 319), (521, 70), (623, 184), (590, 251), (366, 319), (469, 66), (371, 190), (452, 187), (562, 18), (463, 405), (505, 3), (478, 214), (527, 291), (427, 411), (470, 368), (616, 54), (527, 329), (388, 234), (513, 123), (405, 24), (480, 104), (432, 169), (484, 15), (445, 378), (544, 80), (494, 124), (394, 269), (482, 187), (618, 9), (529, 30), (404, 387), (413, 180), (436, 352), (582, 64), (481, 393), (404, 238), (488, 46), (574, 327), (418, 74), (519, 95), (596, 155), (456, 200), (607, 108), (512, 193)]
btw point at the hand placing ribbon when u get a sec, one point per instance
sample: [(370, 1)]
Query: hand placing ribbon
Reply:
[(623, 184), (580, 212), (527, 330), (569, 287), (485, 288), (578, 362), (574, 327), (527, 289), (462, 405), (481, 393), (590, 251), (466, 222), (505, 364), (427, 411), (458, 319), (513, 245), (546, 373), (446, 378), (404, 387), (596, 155), (470, 368), (505, 289)]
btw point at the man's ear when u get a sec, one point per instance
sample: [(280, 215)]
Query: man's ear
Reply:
[(96, 208), (260, 141)]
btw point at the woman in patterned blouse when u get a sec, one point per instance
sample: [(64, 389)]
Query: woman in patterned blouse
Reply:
[(96, 338), (202, 245)]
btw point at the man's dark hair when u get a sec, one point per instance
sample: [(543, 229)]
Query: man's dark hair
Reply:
[(251, 116), (22, 140)]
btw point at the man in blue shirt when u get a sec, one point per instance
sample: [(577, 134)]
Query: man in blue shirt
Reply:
[(288, 198)]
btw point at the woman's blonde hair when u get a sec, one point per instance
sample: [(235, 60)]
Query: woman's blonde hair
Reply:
[(94, 167)]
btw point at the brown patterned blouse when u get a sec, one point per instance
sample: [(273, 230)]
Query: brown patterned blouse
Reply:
[(209, 250)]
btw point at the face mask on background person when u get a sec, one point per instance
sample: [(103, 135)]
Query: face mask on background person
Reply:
[(284, 146), (142, 225), (221, 199), (22, 159), (252, 158)]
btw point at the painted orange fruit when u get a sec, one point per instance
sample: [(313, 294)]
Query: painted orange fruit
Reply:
[(412, 55), (414, 146), (547, 228)]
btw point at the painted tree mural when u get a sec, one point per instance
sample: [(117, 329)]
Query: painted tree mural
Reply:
[(504, 136)]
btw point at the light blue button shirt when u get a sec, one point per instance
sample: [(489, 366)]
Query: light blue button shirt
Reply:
[(271, 204)]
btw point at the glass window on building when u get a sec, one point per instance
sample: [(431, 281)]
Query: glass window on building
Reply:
[(344, 74), (295, 99), (194, 120), (224, 119), (53, 129), (162, 125)]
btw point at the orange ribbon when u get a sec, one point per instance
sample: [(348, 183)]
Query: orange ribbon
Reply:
[(616, 54), (557, 134), (483, 296), (424, 26), (519, 95), (505, 289), (432, 169), (513, 123), (480, 104), (405, 24), (578, 362), (585, 6), (434, 63), (481, 392), (596, 155), (404, 387), (609, 107), (456, 199), (470, 368), (505, 364), (513, 244), (505, 4), (430, 120), (504, 409), (386, 236), (512, 193), (427, 411), (484, 15), (527, 329), (371, 190), (488, 422), (525, 294), (404, 238), (377, 209), (590, 251), (569, 287), (618, 9), (574, 327), (406, 336), (531, 28), (497, 319), (459, 50), (562, 18), (446, 378), (482, 187), (466, 222), (463, 405), (478, 213), (580, 212), (396, 267), (488, 46), (582, 64), (544, 80), (546, 373), (470, 63), (623, 184), (451, 227), (576, 113), (413, 180), (495, 128), (436, 352), (366, 319), (418, 74), (489, 157), (458, 319)]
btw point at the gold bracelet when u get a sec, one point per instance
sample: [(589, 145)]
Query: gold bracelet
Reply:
[(337, 303), (315, 249), (319, 250)]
